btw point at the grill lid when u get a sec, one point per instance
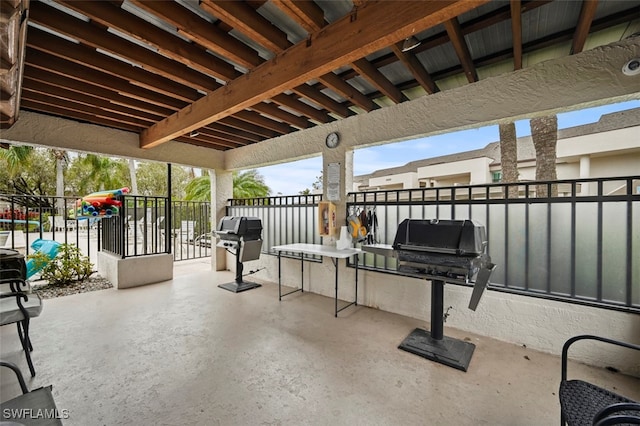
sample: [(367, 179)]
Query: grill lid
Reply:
[(455, 237), (236, 227)]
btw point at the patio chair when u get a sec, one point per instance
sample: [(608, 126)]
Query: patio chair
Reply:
[(36, 407), (583, 403), (18, 306)]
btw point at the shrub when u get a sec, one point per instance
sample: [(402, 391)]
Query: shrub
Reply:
[(68, 266)]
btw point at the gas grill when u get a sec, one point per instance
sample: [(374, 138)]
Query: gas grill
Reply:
[(442, 251), (241, 236)]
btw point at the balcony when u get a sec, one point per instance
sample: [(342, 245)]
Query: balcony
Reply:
[(187, 352)]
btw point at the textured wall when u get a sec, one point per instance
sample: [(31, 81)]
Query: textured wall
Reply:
[(44, 130), (593, 77)]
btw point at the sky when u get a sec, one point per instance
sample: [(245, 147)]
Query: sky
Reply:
[(293, 177)]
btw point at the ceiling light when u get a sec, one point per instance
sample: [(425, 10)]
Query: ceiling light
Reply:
[(410, 43), (194, 133)]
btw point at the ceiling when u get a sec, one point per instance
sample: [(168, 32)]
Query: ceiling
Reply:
[(225, 74)]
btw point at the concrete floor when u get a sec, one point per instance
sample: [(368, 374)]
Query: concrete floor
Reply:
[(187, 352)]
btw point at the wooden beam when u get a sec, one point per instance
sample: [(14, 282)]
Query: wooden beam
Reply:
[(253, 117), (516, 31), (201, 31), (371, 31), (228, 130), (587, 13), (376, 78), (322, 100), (89, 100), (290, 101), (207, 143), (86, 56), (100, 91), (305, 12), (347, 91), (462, 50), (236, 123), (416, 68), (245, 19), (53, 104), (174, 47), (61, 67), (78, 115), (93, 36), (272, 110)]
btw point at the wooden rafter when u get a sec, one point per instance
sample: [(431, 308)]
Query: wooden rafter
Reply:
[(244, 18), (279, 114), (305, 12), (462, 50), (95, 37), (587, 13), (347, 91), (323, 100), (372, 30), (114, 17), (415, 67), (376, 78), (292, 102), (202, 32), (516, 33)]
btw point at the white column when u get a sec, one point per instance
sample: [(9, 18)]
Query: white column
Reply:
[(585, 173), (221, 191), (343, 156)]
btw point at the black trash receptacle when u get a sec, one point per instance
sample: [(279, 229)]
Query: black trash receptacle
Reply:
[(12, 259)]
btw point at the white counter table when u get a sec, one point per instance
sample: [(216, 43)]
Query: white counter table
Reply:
[(319, 250)]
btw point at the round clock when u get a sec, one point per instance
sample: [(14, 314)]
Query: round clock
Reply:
[(333, 139)]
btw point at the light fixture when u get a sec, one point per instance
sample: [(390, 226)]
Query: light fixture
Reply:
[(194, 133), (410, 43)]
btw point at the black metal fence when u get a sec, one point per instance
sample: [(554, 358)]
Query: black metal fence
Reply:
[(582, 245), (140, 228), (191, 229), (25, 218), (285, 219)]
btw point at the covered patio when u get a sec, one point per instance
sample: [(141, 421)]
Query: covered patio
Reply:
[(187, 352), (290, 83)]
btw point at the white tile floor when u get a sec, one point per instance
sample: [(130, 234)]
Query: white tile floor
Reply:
[(187, 352)]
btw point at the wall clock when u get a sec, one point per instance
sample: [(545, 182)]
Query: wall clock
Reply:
[(332, 140)]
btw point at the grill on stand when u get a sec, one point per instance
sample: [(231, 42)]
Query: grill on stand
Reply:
[(442, 251), (241, 236)]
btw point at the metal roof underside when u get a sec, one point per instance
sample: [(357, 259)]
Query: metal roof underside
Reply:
[(156, 67)]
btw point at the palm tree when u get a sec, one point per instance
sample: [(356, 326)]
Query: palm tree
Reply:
[(248, 184), (16, 156), (132, 175), (509, 156), (61, 160), (105, 172), (544, 132)]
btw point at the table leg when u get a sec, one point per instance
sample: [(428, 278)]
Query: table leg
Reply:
[(356, 302), (302, 273), (279, 277), (336, 300)]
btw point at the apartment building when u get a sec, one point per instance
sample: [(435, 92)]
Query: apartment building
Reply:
[(607, 148)]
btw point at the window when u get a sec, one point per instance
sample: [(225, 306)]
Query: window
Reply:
[(496, 177)]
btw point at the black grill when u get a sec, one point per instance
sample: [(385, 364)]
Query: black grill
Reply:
[(244, 235), (441, 251), (448, 250)]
